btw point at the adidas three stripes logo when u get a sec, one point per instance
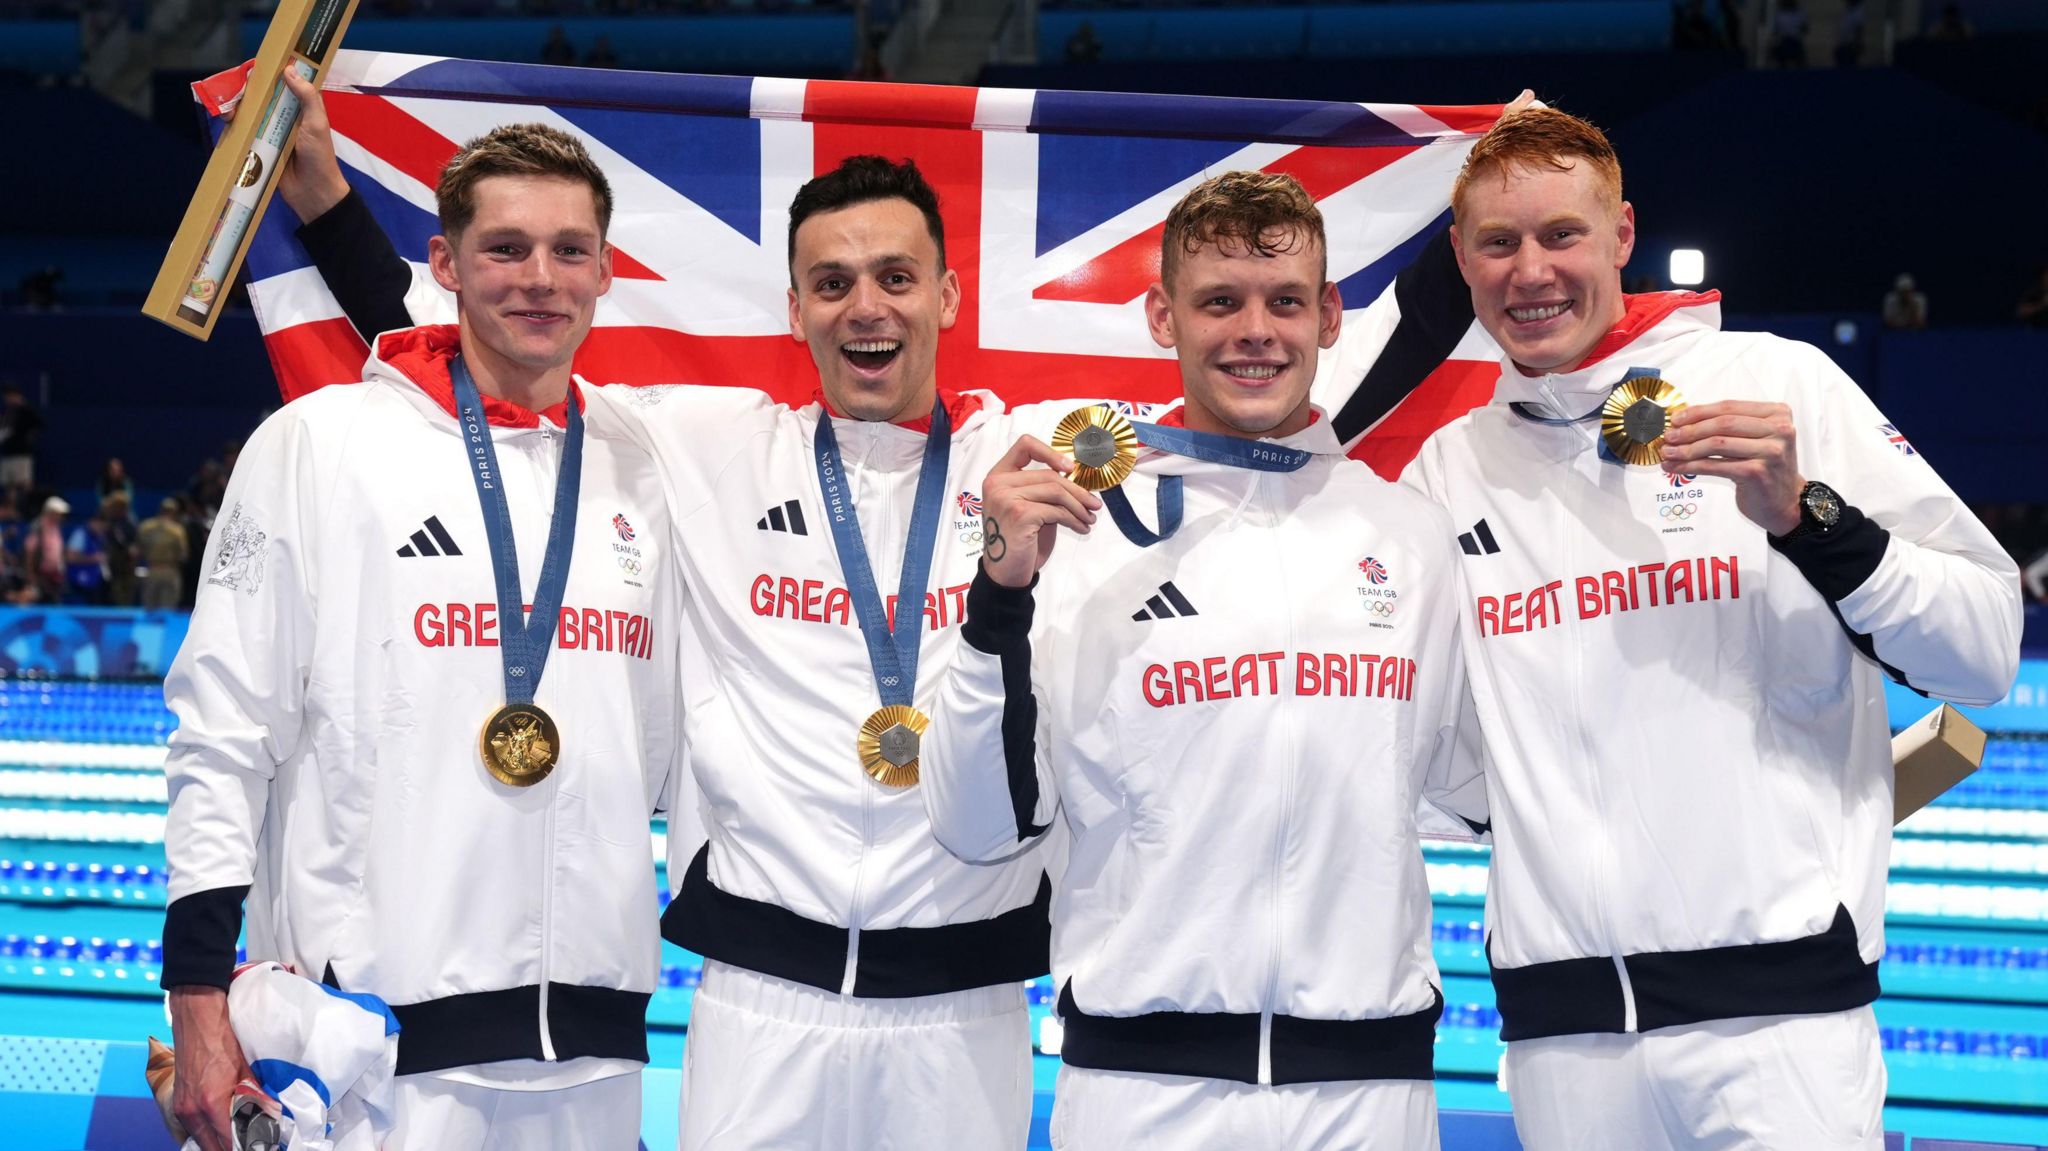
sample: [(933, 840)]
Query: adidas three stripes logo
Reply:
[(1479, 541), (1168, 604), (788, 516), (431, 540)]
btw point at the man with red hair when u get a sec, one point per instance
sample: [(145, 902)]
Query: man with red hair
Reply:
[(1691, 557)]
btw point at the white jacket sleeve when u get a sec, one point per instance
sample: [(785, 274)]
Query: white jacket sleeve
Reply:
[(238, 690), (1917, 580), (987, 785)]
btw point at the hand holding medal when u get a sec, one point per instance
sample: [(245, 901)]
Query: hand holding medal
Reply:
[(1635, 417), (1746, 441), (1025, 507)]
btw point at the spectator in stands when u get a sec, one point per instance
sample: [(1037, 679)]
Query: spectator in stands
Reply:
[(2033, 305), (1084, 46), (1849, 35), (42, 552), (20, 427), (1905, 307), (557, 49), (15, 586), (162, 546), (114, 481), (118, 533), (85, 561), (601, 54), (209, 484), (1788, 35), (1951, 25)]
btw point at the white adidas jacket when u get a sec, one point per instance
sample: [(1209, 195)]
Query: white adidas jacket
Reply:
[(813, 871), (341, 662), (1689, 771), (1234, 725)]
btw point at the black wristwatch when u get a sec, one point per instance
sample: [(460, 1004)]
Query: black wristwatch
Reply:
[(1820, 509)]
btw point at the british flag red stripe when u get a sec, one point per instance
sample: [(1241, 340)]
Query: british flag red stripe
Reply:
[(1053, 204)]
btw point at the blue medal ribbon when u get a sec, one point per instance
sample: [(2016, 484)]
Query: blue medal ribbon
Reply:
[(523, 646), (1230, 451), (892, 652), (1534, 414)]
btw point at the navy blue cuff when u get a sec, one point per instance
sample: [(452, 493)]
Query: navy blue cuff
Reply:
[(199, 937), (1838, 562), (998, 617)]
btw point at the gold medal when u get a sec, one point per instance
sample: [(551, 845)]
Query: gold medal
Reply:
[(1635, 417), (888, 743), (520, 745), (1103, 444)]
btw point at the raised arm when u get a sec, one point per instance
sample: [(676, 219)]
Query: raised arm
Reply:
[(987, 783), (378, 290)]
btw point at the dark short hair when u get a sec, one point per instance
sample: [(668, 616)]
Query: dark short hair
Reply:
[(860, 180)]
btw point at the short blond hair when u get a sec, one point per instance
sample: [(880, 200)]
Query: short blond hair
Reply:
[(1269, 213), (517, 150), (1540, 138)]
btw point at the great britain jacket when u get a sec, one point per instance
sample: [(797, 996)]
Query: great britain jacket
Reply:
[(1689, 776)]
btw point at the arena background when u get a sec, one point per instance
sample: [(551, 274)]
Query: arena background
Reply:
[(1810, 168)]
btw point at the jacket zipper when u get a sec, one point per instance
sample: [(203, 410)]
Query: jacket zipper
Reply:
[(867, 796), (1604, 849), (1273, 953), (547, 463)]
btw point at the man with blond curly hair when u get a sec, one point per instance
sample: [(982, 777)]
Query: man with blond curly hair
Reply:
[(1230, 702)]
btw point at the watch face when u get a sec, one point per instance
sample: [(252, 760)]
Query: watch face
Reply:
[(1822, 504)]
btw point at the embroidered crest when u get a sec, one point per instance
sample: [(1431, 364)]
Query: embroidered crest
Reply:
[(238, 561)]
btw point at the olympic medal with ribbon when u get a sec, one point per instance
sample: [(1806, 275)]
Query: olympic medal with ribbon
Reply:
[(888, 741), (1633, 418), (1231, 451), (520, 744), (1102, 442)]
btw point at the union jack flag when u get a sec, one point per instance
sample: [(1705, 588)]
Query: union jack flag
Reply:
[(970, 503), (1680, 479), (1053, 202), (624, 529), (1896, 438), (1375, 571)]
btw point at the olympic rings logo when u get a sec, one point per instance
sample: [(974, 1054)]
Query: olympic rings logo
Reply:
[(970, 537), (1380, 608), (630, 566), (1678, 511)]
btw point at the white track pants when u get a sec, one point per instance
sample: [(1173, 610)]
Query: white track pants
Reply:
[(443, 1115), (777, 1066), (1132, 1111), (1777, 1083)]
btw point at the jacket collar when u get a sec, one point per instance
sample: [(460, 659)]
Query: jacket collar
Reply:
[(960, 407), (1654, 329), (422, 357)]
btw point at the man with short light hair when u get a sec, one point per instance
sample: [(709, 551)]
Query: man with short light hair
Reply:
[(425, 710), (1690, 558)]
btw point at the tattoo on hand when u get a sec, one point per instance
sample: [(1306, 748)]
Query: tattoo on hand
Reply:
[(993, 546)]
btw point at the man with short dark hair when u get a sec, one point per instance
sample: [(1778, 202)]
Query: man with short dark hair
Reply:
[(427, 770), (1692, 557)]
